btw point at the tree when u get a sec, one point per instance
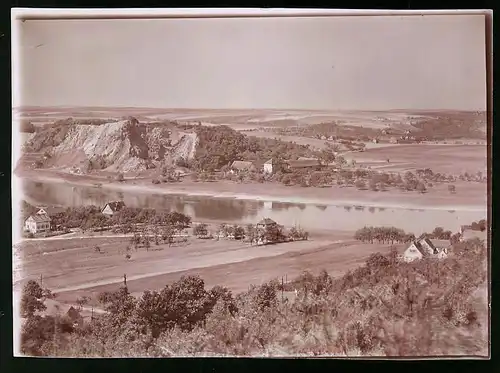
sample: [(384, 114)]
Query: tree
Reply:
[(452, 188), (421, 187), (185, 303), (167, 234), (120, 304), (266, 296), (327, 156), (251, 233), (224, 295), (360, 184), (438, 232), (377, 261), (238, 232), (32, 299), (82, 301), (200, 230), (120, 177)]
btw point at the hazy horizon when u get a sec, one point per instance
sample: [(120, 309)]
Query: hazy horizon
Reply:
[(376, 63)]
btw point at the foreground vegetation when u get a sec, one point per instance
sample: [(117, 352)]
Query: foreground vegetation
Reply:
[(383, 308)]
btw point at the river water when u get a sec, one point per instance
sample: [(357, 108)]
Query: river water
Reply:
[(231, 210)]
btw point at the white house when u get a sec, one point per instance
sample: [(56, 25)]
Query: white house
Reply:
[(37, 224), (268, 167), (112, 207)]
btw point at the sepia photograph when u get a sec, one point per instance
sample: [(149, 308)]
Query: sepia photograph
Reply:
[(266, 183)]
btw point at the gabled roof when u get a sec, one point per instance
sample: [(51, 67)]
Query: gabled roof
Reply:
[(269, 162), (115, 205), (303, 162), (39, 218), (241, 165), (440, 244), (73, 314), (51, 210), (267, 221)]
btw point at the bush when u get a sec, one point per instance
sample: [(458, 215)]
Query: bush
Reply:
[(200, 230), (155, 181)]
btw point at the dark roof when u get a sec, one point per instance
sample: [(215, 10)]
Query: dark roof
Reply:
[(115, 205), (303, 162), (73, 313), (267, 221), (241, 165), (52, 210), (40, 218)]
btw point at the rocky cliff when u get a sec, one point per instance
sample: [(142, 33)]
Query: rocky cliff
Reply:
[(122, 146)]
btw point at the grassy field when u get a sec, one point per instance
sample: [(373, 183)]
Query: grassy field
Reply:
[(448, 159), (336, 258), (71, 264), (71, 268)]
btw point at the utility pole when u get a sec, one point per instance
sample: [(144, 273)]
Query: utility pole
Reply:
[(282, 289)]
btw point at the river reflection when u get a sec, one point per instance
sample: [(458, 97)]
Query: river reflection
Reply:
[(309, 216)]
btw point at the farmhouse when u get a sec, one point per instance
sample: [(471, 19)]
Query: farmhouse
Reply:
[(74, 316), (112, 207), (426, 247), (268, 167), (266, 223), (50, 210), (239, 166), (303, 163), (37, 224)]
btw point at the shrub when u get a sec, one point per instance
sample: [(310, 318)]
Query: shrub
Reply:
[(200, 230), (155, 181)]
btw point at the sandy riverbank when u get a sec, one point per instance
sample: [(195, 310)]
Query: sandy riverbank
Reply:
[(469, 197)]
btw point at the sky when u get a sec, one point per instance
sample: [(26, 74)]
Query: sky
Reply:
[(328, 63)]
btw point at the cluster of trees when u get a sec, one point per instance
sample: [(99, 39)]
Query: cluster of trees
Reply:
[(383, 235), (383, 308), (480, 225), (396, 235), (253, 234), (134, 215), (90, 217), (451, 126), (221, 145)]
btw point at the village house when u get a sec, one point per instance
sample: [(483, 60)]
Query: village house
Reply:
[(268, 167), (37, 223), (426, 247), (112, 207), (303, 163), (265, 223), (241, 166), (74, 316)]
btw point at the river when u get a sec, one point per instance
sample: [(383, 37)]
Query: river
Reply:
[(231, 210)]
